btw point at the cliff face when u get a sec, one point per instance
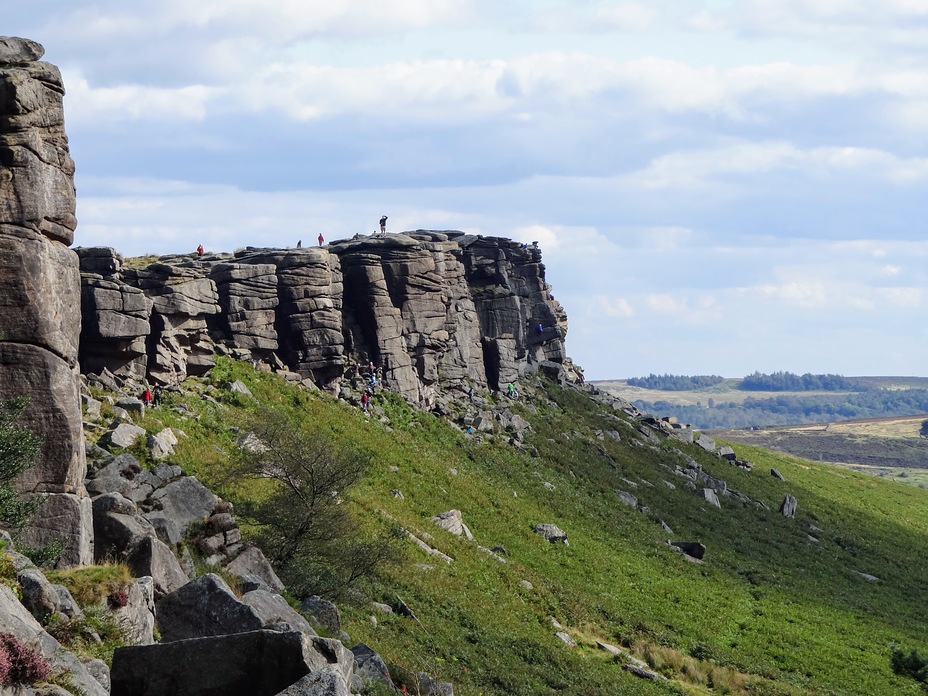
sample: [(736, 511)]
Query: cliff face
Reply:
[(435, 310), (40, 291)]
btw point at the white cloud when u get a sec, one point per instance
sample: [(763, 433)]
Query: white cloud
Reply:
[(615, 307), (703, 168)]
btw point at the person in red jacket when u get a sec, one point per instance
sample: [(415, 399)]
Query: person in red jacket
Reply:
[(321, 239)]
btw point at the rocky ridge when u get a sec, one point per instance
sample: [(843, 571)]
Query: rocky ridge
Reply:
[(433, 310)]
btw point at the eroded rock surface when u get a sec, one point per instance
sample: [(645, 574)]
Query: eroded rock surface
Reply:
[(40, 318)]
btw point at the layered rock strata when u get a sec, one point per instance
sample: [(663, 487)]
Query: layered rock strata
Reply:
[(434, 310), (40, 316)]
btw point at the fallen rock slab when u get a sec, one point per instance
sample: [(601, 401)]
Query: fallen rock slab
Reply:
[(255, 663)]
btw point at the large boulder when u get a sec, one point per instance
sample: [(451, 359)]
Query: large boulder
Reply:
[(185, 500), (251, 563), (254, 663), (204, 607)]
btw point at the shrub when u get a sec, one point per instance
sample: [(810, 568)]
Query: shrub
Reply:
[(910, 665), (19, 448), (20, 664)]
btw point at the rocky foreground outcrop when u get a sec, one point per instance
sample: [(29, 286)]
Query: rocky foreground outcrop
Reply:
[(40, 317), (433, 309)]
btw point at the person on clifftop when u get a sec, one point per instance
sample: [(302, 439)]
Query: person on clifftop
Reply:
[(383, 225), (321, 239), (200, 250)]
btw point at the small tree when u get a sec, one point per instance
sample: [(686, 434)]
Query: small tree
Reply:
[(309, 536), (19, 448), (924, 429)]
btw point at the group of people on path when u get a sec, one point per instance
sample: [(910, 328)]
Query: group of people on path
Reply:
[(152, 396)]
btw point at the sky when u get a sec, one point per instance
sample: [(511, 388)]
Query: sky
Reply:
[(718, 187)]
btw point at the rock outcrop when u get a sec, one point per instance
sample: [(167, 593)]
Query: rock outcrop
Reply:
[(433, 310), (40, 317)]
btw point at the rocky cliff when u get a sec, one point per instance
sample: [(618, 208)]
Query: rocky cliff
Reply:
[(40, 318), (435, 310)]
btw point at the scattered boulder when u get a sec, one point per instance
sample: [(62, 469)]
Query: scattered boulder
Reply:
[(551, 532), (710, 496), (693, 549), (565, 638), (453, 522), (776, 474), (789, 506), (627, 498), (124, 435)]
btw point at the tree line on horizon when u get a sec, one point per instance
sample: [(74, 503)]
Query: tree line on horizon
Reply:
[(757, 381)]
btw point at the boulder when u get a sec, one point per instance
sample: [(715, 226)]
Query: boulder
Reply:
[(124, 435), (203, 607), (369, 666), (693, 549), (138, 614), (185, 500), (251, 562), (789, 506), (39, 595), (272, 609), (322, 612), (453, 521), (318, 684), (151, 557), (16, 50), (710, 496), (551, 532), (116, 535), (627, 498), (255, 663), (433, 687)]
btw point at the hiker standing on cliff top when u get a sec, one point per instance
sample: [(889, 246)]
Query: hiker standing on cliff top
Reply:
[(383, 225), (321, 239), (200, 250)]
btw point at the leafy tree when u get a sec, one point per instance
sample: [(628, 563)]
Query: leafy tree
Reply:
[(19, 448), (309, 535), (924, 429)]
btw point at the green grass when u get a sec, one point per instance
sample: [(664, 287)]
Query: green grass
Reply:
[(768, 612)]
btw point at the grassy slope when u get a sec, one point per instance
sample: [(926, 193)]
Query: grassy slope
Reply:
[(767, 603)]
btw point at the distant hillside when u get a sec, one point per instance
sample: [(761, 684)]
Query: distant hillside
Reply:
[(727, 405)]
